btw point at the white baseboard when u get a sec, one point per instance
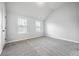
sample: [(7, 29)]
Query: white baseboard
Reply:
[(1, 48), (15, 41), (21, 39), (63, 39)]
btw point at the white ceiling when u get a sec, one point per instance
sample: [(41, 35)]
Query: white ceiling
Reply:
[(32, 8)]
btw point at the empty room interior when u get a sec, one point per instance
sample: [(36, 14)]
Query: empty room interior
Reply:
[(39, 29)]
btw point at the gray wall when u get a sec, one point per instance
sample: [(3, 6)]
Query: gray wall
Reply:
[(78, 20), (62, 23), (12, 26)]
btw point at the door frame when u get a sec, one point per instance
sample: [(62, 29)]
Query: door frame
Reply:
[(3, 25)]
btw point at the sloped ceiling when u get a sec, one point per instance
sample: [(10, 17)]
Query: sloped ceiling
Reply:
[(32, 8), (55, 5)]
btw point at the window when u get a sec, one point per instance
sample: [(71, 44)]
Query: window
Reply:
[(22, 24), (37, 23)]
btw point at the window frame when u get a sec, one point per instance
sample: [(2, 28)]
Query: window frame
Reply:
[(22, 25)]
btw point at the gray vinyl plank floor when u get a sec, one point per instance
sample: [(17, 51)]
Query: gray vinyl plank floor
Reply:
[(42, 46)]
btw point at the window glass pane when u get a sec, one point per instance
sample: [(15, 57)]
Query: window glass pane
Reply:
[(38, 29), (22, 21), (19, 20), (37, 23)]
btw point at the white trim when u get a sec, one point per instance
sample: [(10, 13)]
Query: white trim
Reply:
[(0, 51), (47, 36), (15, 41), (2, 48), (63, 39), (21, 39)]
